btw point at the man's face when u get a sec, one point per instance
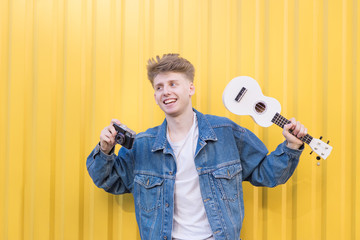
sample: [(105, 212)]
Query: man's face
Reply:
[(173, 92)]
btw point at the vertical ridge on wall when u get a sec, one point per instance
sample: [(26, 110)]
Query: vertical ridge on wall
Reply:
[(53, 134), (203, 50), (141, 59), (28, 124), (324, 129), (92, 33), (88, 45), (285, 206), (314, 86), (264, 81), (5, 41), (333, 84), (297, 206), (258, 194), (355, 142), (83, 119), (345, 232), (319, 118), (14, 175), (56, 155)]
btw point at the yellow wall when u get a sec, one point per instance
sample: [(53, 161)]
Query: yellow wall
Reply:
[(67, 67)]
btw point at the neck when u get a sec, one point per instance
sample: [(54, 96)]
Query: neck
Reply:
[(179, 126), (279, 120)]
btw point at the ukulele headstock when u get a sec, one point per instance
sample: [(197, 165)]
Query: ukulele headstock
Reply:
[(320, 148)]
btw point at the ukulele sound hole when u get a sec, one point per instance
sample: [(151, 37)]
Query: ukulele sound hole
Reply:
[(260, 107)]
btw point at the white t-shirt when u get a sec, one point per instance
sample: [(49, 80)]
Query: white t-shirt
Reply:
[(190, 220)]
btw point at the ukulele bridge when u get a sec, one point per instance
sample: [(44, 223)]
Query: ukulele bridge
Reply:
[(241, 94)]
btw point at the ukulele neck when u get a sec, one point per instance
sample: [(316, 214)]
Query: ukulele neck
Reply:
[(282, 121)]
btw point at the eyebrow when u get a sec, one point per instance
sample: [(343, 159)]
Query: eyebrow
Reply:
[(174, 80), (170, 81), (159, 84)]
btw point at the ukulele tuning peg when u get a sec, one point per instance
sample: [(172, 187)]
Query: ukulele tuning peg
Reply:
[(311, 152), (321, 137), (328, 142)]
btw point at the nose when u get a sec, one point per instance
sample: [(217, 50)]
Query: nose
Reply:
[(166, 90)]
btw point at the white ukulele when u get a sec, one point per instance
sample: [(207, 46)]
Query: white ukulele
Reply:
[(243, 96)]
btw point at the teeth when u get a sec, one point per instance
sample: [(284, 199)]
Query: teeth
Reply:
[(169, 101)]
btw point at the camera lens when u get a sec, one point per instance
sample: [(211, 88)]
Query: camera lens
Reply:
[(120, 138)]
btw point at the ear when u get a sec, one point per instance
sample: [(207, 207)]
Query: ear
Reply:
[(156, 99), (192, 89)]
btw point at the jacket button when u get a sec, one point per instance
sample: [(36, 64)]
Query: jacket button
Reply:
[(166, 205), (165, 237), (171, 173)]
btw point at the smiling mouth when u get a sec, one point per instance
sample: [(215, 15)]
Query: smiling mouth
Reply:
[(169, 101)]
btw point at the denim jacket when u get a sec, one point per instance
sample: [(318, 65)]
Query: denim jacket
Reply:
[(226, 155)]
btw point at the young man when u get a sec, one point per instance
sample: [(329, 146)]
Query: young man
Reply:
[(186, 174)]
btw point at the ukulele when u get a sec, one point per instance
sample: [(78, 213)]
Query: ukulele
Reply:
[(243, 96)]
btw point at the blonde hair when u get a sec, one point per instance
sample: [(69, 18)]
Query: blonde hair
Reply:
[(171, 62)]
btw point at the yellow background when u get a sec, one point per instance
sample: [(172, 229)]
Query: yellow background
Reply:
[(67, 67)]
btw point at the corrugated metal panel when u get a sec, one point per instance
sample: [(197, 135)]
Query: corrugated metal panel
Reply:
[(68, 67)]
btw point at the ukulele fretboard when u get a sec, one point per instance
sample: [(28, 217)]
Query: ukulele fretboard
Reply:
[(282, 121)]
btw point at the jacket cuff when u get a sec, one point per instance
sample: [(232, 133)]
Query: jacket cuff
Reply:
[(293, 152), (107, 157)]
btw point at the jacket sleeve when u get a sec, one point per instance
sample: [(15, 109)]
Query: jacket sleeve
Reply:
[(112, 173), (261, 168)]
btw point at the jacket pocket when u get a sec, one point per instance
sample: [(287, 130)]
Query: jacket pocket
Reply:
[(148, 192), (228, 181)]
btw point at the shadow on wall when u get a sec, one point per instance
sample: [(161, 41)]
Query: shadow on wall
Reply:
[(126, 201)]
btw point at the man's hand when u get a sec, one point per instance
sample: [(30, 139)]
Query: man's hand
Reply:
[(107, 137), (297, 130)]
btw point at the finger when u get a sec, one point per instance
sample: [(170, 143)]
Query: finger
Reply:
[(290, 126), (104, 141), (289, 136), (115, 121), (109, 139), (105, 145), (293, 121), (297, 128), (108, 134), (301, 131), (287, 131), (291, 130), (112, 130), (105, 133)]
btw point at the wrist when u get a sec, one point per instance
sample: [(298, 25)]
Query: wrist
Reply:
[(294, 146), (105, 151)]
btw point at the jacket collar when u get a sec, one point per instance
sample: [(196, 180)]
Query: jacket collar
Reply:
[(206, 132)]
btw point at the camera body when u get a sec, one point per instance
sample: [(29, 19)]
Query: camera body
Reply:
[(125, 136)]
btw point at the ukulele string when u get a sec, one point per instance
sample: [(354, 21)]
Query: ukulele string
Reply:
[(281, 121), (307, 138)]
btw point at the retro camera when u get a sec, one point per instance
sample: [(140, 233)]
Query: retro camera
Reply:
[(125, 136)]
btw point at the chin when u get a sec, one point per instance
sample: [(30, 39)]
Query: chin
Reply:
[(171, 112)]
